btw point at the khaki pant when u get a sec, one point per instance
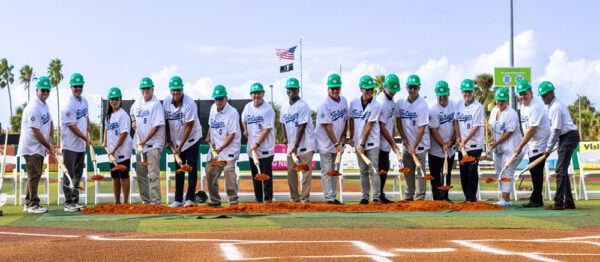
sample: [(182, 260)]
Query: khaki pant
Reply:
[(306, 178), (408, 162), (34, 165), (149, 177), (231, 185)]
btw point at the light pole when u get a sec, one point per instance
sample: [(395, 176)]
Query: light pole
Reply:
[(513, 97), (579, 102), (271, 86)]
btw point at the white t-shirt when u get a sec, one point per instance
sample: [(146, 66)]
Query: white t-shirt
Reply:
[(387, 118), (334, 113), (119, 123), (257, 119), (469, 117), (559, 117), (220, 125), (178, 117), (371, 113), (74, 112), (502, 122), (535, 114), (442, 118), (35, 115), (148, 115), (292, 116), (414, 115)]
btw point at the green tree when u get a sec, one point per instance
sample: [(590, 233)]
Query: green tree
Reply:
[(7, 78), (95, 133), (484, 93), (379, 80), (26, 77), (278, 126), (15, 121), (55, 75), (590, 119)]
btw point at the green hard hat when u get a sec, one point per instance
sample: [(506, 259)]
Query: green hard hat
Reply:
[(467, 85), (334, 81), (501, 94), (256, 87), (366, 82), (219, 91), (292, 83), (44, 83), (523, 86), (114, 92), (392, 82), (76, 80), (545, 87), (413, 80), (146, 82), (175, 83), (441, 88)]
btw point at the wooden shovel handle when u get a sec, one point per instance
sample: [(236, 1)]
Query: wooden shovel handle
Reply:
[(416, 160), (295, 158), (366, 159), (338, 158), (92, 153), (213, 151), (510, 160)]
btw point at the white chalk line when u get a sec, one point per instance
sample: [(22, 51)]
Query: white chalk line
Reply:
[(38, 235), (497, 251), (425, 250)]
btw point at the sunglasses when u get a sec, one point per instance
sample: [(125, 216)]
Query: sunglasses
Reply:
[(413, 87), (145, 88), (80, 87), (220, 99), (45, 90)]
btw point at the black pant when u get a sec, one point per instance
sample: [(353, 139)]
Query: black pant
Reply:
[(74, 162), (384, 165), (260, 187), (537, 178), (189, 156), (436, 164), (469, 175), (566, 145)]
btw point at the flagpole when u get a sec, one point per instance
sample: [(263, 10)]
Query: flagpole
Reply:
[(301, 90)]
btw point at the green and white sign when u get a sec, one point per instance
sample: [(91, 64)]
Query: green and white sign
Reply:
[(510, 76)]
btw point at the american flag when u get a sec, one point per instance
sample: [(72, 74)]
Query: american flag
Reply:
[(286, 53)]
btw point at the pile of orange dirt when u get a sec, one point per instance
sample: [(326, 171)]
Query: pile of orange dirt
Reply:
[(261, 177), (119, 167), (427, 177), (287, 207), (218, 163), (489, 180), (301, 167), (445, 188), (467, 159), (405, 170), (97, 177), (184, 168), (505, 179), (333, 172)]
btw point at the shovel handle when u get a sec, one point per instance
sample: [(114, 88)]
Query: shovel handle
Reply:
[(295, 158), (92, 152), (510, 160), (366, 159), (338, 158), (398, 155), (445, 168), (255, 157), (539, 160), (61, 164), (213, 151), (111, 157), (416, 160)]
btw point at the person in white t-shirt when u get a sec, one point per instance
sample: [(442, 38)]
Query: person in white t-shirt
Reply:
[(299, 135), (535, 124), (412, 120), (225, 136), (35, 142), (469, 135), (330, 131), (565, 133), (148, 119), (258, 119), (364, 136), (506, 135), (118, 143), (391, 86), (183, 135), (75, 124), (442, 122)]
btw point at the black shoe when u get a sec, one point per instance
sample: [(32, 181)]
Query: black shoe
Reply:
[(330, 202), (202, 197), (215, 205), (555, 207), (385, 200), (533, 204), (364, 201), (337, 202), (570, 206)]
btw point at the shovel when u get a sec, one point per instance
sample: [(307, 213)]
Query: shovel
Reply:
[(336, 170), (445, 187), (113, 160), (184, 167), (465, 157), (535, 163), (140, 149), (299, 166), (97, 176), (506, 165), (419, 168), (214, 154), (259, 176), (368, 163), (62, 166), (403, 170), (4, 197)]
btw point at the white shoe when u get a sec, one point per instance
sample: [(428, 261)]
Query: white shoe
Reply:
[(508, 203), (176, 204), (71, 208), (188, 203), (37, 209), (25, 208), (500, 203), (79, 206)]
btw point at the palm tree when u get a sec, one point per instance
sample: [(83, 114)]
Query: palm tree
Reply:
[(15, 121), (55, 75), (379, 79), (6, 79), (26, 77), (484, 94)]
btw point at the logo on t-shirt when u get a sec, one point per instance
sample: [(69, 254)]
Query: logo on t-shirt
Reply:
[(446, 118), (216, 124), (290, 118), (337, 114), (250, 119), (80, 113), (175, 115), (142, 113)]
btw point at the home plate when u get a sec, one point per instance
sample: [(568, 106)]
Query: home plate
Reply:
[(425, 250)]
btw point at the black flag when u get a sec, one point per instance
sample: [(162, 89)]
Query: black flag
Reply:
[(286, 68)]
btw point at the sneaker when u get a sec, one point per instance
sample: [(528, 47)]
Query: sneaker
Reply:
[(71, 208), (330, 202), (188, 203), (215, 205), (555, 207), (337, 202), (385, 200), (501, 203), (364, 201), (532, 205), (37, 209), (176, 204), (25, 208), (570, 206), (79, 206)]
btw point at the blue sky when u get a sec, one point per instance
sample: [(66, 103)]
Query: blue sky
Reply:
[(115, 43)]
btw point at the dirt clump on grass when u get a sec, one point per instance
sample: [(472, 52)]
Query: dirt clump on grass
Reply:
[(287, 207)]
